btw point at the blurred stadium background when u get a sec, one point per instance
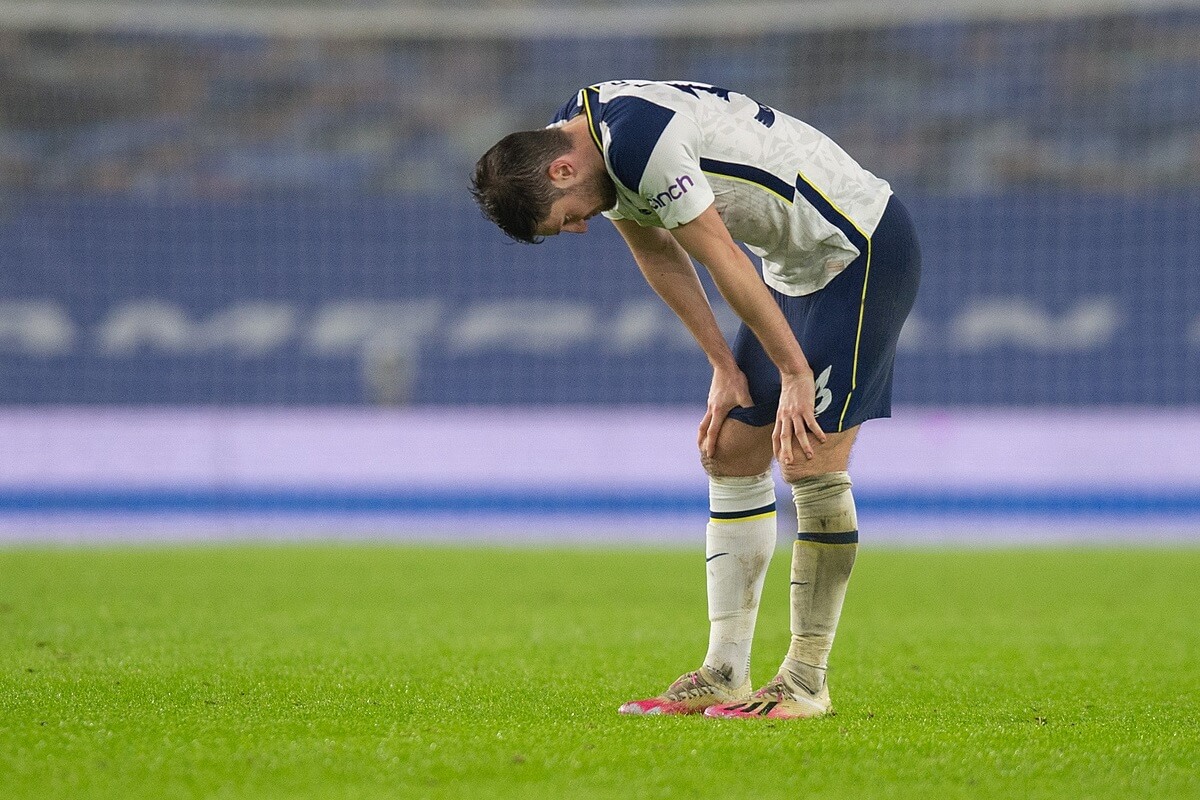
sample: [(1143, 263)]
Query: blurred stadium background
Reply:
[(243, 287)]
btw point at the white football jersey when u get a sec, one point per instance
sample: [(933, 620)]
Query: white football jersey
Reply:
[(783, 188)]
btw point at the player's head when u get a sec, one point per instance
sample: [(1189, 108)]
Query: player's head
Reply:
[(512, 182), (534, 184)]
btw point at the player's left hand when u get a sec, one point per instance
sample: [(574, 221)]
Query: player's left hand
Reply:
[(797, 418)]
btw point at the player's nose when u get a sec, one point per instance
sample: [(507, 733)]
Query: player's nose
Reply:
[(578, 226)]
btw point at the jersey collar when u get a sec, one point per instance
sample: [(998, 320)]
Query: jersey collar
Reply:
[(591, 108)]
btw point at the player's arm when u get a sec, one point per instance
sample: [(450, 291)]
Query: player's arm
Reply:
[(707, 240), (669, 271)]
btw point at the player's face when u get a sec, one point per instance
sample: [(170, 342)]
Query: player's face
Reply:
[(568, 214), (571, 212)]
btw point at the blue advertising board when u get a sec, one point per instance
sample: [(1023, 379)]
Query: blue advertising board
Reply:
[(1028, 298)]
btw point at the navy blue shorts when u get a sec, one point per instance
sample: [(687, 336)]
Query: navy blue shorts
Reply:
[(848, 331)]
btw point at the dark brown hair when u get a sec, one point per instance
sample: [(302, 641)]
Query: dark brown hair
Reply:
[(511, 184)]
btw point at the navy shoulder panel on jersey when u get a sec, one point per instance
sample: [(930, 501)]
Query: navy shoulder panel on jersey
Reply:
[(567, 110), (634, 127)]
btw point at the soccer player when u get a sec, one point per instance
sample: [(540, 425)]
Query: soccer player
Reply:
[(684, 170)]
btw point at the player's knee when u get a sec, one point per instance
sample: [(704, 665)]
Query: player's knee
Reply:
[(741, 451), (726, 467), (830, 456), (738, 464), (801, 469)]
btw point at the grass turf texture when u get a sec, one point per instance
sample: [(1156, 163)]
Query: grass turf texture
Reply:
[(363, 671)]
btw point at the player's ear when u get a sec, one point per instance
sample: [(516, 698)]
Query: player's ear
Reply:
[(561, 171)]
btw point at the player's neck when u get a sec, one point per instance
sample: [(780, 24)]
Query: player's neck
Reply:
[(582, 142)]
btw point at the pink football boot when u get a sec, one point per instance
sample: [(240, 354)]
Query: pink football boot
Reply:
[(690, 694), (777, 700)]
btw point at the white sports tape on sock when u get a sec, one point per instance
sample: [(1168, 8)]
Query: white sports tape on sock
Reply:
[(825, 509), (737, 499)]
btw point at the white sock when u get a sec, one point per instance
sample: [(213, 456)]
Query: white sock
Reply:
[(822, 559), (739, 543)]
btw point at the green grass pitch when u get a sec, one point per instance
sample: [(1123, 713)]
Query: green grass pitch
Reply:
[(375, 670)]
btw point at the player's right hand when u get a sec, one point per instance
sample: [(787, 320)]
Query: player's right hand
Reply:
[(729, 390)]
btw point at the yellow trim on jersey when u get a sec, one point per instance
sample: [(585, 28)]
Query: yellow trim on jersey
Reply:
[(833, 205), (764, 515), (587, 109)]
